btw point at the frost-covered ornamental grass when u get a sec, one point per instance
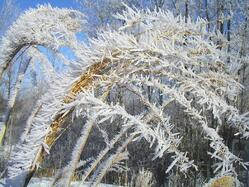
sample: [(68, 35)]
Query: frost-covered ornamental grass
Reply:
[(178, 59)]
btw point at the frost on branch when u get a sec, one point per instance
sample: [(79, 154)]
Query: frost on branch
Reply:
[(45, 26), (155, 50)]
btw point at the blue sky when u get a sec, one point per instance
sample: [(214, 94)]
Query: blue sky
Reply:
[(25, 4)]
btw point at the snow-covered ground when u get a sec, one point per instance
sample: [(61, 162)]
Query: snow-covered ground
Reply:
[(46, 182)]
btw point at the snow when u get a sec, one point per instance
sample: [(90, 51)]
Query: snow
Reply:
[(46, 182)]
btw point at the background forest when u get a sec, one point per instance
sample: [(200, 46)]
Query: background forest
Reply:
[(228, 19)]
